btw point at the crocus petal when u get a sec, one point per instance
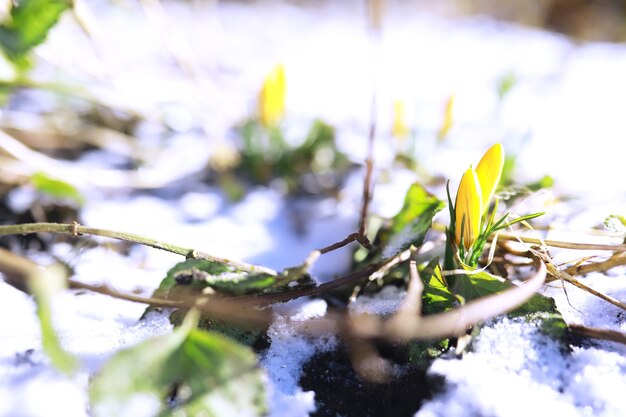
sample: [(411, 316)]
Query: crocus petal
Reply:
[(448, 119), (399, 128), (272, 97), (489, 171), (468, 209)]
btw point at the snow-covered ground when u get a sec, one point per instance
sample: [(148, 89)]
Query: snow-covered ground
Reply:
[(563, 117)]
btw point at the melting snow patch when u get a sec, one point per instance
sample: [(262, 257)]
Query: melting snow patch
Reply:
[(515, 370), (288, 352), (383, 303)]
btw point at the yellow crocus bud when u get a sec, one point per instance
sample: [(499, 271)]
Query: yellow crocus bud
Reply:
[(474, 195), (446, 124), (489, 171), (468, 209), (399, 128), (272, 97)]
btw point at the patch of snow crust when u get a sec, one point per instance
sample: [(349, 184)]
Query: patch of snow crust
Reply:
[(384, 303), (289, 351), (515, 370)]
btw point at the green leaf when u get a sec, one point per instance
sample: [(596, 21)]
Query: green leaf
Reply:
[(195, 274), (44, 284), (436, 297), (506, 84), (29, 24), (544, 182), (410, 225), (499, 226), (56, 188), (479, 284), (188, 372), (422, 353)]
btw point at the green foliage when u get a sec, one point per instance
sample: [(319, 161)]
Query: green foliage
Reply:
[(479, 284), (422, 353), (550, 323), (417, 212), (408, 227), (508, 169), (506, 84), (265, 155), (44, 285), (544, 182), (193, 275), (28, 26), (436, 297), (189, 372), (56, 188), (615, 223), (247, 335)]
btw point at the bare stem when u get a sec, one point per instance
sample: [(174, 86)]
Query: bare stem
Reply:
[(617, 259), (594, 332), (352, 237), (235, 311), (76, 230), (502, 236), (561, 244)]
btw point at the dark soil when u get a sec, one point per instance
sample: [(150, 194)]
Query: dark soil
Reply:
[(340, 392)]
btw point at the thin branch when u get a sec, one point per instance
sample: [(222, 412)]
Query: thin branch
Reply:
[(559, 274), (352, 237), (231, 310), (567, 277), (619, 259), (549, 242), (596, 333), (77, 230), (561, 244), (455, 322), (375, 31)]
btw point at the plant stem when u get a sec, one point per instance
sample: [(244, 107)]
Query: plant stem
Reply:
[(76, 230), (604, 334)]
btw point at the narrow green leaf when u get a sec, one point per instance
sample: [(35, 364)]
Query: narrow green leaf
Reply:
[(56, 188), (29, 24), (188, 372), (499, 226), (44, 285)]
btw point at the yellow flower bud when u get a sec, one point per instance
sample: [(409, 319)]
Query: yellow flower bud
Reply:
[(448, 120), (468, 209), (489, 171), (474, 195), (272, 97), (399, 128)]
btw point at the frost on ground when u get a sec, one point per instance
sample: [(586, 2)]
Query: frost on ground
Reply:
[(515, 370), (289, 351)]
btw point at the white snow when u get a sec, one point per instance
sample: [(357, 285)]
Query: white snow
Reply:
[(289, 351)]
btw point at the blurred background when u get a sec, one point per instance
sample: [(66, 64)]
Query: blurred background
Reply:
[(184, 99)]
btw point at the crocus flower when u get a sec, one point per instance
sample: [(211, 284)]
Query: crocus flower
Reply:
[(399, 129), (474, 195), (272, 97), (448, 119)]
